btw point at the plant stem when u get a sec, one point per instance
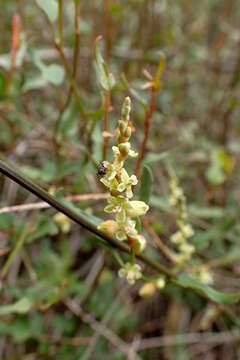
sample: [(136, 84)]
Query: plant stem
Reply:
[(74, 74), (13, 255), (147, 128), (45, 196), (72, 80), (60, 23), (15, 47), (106, 113), (162, 247)]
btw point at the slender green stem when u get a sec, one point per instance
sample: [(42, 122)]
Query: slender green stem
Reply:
[(23, 181), (13, 255), (66, 104), (60, 23), (72, 81)]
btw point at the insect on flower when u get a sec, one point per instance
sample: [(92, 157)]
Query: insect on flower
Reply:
[(102, 170)]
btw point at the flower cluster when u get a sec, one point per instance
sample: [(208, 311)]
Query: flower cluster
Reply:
[(120, 184), (150, 288), (131, 271), (204, 275), (185, 231), (63, 222)]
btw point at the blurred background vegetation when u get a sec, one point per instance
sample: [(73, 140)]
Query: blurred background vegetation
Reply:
[(51, 123)]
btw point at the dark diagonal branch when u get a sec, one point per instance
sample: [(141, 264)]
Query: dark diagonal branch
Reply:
[(27, 184)]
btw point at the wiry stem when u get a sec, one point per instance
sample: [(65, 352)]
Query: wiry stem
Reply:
[(74, 74), (147, 128), (60, 23), (106, 113)]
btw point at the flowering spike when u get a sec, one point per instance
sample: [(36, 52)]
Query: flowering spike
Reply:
[(119, 184)]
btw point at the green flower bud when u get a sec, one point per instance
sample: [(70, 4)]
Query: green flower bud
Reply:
[(122, 126), (138, 243), (126, 108), (63, 221), (109, 227), (147, 290), (160, 283), (124, 148), (137, 208), (128, 132)]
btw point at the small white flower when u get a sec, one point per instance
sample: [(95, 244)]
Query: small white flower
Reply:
[(177, 238), (115, 150), (205, 276), (187, 231), (137, 208), (187, 249), (132, 153), (121, 236), (127, 183), (63, 222), (132, 272), (160, 283)]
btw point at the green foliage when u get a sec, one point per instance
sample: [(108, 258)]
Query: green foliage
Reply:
[(105, 77), (50, 7), (146, 184), (52, 110)]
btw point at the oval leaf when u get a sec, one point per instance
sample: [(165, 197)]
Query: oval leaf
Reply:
[(50, 7), (22, 306), (217, 296), (146, 184)]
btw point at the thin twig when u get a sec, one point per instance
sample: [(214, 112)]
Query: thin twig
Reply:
[(106, 113), (192, 338), (165, 251), (15, 47), (74, 73), (147, 128), (97, 326), (67, 68), (44, 205), (60, 23)]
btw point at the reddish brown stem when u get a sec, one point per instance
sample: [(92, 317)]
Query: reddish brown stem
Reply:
[(164, 250), (106, 113), (15, 47), (147, 128)]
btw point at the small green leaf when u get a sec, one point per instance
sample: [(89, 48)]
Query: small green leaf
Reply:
[(105, 78), (20, 307), (152, 158), (50, 7), (146, 184), (34, 83), (219, 297), (53, 73)]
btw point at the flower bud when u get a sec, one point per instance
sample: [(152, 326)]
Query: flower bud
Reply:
[(109, 227), (63, 221), (128, 132), (147, 290), (122, 126), (126, 108), (177, 238), (115, 192), (137, 208), (160, 283), (124, 148), (138, 243)]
